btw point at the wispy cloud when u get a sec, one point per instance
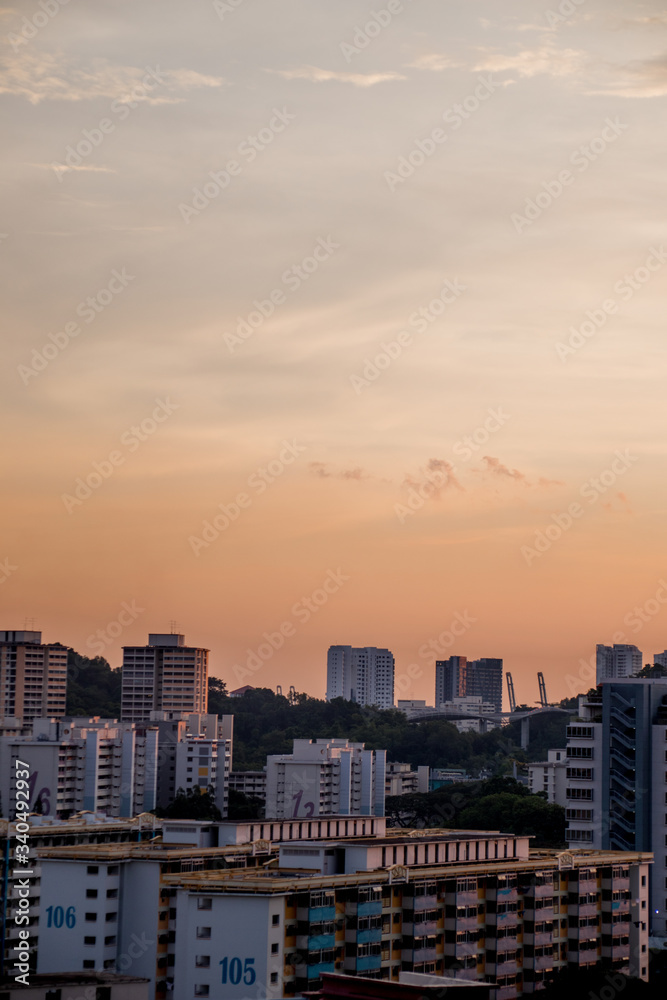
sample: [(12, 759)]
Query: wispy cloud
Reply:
[(48, 76), (545, 60), (435, 62), (317, 75), (496, 467)]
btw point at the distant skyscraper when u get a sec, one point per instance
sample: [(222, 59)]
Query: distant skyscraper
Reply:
[(33, 676), (660, 659), (450, 679), (484, 679), (615, 662), (363, 674), (164, 676)]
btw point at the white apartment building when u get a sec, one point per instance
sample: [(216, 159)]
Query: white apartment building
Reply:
[(164, 676), (364, 675), (472, 705), (614, 662), (250, 783), (326, 777), (94, 764), (550, 776), (195, 752), (33, 676)]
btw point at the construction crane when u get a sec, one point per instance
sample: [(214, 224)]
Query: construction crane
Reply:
[(510, 693), (279, 689), (543, 691), (292, 695)]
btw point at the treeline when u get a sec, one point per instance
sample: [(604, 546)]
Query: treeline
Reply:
[(499, 803), (265, 723)]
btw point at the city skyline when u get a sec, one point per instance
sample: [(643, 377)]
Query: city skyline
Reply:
[(336, 323)]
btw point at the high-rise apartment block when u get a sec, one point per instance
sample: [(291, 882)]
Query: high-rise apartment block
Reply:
[(326, 777), (364, 675), (164, 676), (459, 677), (33, 676), (617, 779), (614, 662), (450, 679)]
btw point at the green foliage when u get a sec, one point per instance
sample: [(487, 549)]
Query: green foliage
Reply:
[(499, 803), (265, 723), (652, 670), (193, 804), (93, 688), (243, 806)]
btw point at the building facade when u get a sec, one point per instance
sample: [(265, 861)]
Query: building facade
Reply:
[(326, 777), (617, 778), (550, 776), (450, 679), (364, 675), (164, 676), (617, 661), (33, 677)]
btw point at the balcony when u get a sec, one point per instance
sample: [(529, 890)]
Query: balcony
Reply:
[(372, 934), (371, 908)]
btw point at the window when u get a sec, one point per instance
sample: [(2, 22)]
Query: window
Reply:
[(89, 940), (112, 893), (274, 977), (201, 990), (91, 893), (203, 961), (92, 870), (275, 920), (110, 940), (203, 932), (88, 963), (113, 870), (90, 917), (643, 879), (111, 916), (275, 948), (204, 903)]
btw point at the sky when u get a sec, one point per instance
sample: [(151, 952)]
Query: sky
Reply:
[(336, 323)]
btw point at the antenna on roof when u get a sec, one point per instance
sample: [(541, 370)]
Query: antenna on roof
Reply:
[(29, 624), (174, 626)]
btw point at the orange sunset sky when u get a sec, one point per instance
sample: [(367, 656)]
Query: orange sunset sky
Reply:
[(407, 258)]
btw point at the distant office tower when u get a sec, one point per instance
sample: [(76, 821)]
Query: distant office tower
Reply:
[(164, 676), (326, 778), (617, 779), (33, 676), (450, 679), (484, 679), (614, 662), (364, 675), (660, 659)]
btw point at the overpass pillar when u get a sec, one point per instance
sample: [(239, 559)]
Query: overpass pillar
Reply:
[(525, 732)]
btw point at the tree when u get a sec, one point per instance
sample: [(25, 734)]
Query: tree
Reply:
[(193, 804), (243, 806)]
